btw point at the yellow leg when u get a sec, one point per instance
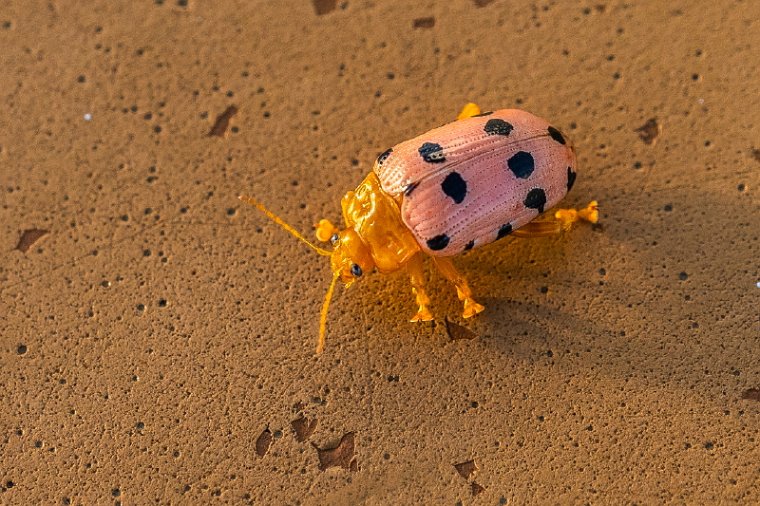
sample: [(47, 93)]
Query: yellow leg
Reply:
[(417, 277), (567, 217), (446, 266), (469, 111), (563, 219)]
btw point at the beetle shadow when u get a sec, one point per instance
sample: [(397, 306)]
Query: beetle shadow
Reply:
[(641, 295), (535, 332)]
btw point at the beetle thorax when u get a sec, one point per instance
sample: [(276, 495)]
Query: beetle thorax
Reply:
[(375, 218)]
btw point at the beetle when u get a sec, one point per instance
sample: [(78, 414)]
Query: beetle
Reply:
[(454, 188)]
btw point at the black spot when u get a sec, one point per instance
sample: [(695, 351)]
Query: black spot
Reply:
[(521, 164), (410, 188), (432, 153), (498, 127), (556, 135), (483, 114), (469, 245), (536, 199), (384, 156), (455, 187), (504, 231), (438, 242), (570, 178)]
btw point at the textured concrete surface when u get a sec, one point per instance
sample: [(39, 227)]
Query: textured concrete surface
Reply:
[(157, 337)]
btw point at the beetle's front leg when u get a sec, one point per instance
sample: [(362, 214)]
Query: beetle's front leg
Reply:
[(446, 266), (417, 278)]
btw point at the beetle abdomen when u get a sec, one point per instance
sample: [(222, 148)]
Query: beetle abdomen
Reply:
[(475, 180)]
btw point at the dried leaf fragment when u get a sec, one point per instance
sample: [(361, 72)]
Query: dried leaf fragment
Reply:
[(751, 394), (428, 22), (29, 237), (303, 427), (482, 3), (322, 7), (263, 442), (457, 332), (340, 456), (477, 488), (465, 469), (222, 122), (650, 131)]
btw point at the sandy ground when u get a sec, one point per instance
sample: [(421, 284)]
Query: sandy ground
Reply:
[(157, 341)]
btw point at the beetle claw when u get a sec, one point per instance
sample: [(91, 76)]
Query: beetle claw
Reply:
[(471, 308), (423, 315), (591, 212)]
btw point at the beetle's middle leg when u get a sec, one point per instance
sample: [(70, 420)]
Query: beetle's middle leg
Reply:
[(446, 266), (416, 272)]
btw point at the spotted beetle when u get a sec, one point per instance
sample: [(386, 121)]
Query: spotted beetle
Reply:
[(460, 186)]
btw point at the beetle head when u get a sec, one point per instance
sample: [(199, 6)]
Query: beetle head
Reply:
[(350, 258)]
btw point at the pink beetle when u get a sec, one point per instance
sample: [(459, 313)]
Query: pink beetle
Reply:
[(456, 187)]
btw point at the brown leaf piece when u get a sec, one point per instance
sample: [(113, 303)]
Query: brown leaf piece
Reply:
[(465, 469), (29, 237), (482, 3), (756, 154), (222, 122), (457, 332), (340, 456), (428, 22), (263, 442), (322, 7), (476, 489), (649, 131), (751, 394), (303, 427)]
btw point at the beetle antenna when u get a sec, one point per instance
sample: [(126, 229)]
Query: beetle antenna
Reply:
[(323, 315), (284, 225)]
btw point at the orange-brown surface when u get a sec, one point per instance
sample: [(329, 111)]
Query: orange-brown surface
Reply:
[(157, 336)]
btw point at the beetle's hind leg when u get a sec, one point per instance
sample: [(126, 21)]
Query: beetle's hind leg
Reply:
[(468, 111), (567, 217), (417, 277), (562, 219), (446, 266)]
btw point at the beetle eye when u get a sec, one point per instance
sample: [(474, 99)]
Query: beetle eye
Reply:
[(356, 270), (334, 239)]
